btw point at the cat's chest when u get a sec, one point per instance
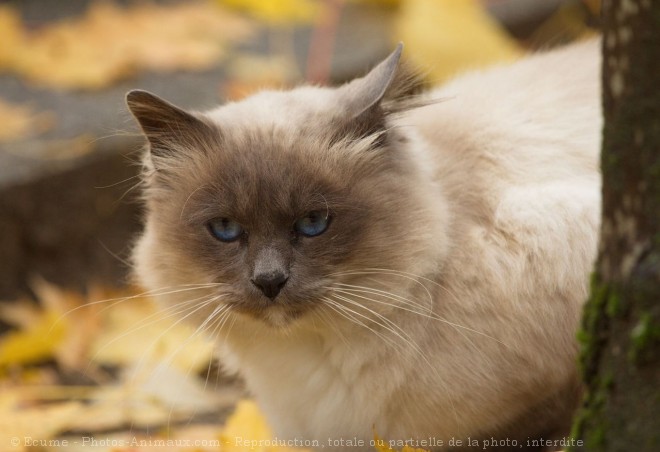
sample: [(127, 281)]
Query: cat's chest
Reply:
[(313, 380), (303, 363)]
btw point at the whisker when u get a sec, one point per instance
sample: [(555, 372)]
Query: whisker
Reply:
[(199, 330), (149, 349), (220, 322), (407, 275), (346, 313), (388, 324), (183, 208), (409, 341), (136, 176), (149, 293), (388, 295), (139, 183), (162, 314), (327, 319), (431, 315), (371, 271), (376, 271)]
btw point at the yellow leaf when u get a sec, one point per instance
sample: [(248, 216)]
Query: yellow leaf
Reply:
[(279, 12), (383, 446), (412, 449), (36, 343), (247, 423), (46, 330), (11, 34), (448, 36), (162, 337), (35, 423), (247, 430)]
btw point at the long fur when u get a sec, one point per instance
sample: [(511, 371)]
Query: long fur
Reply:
[(444, 297)]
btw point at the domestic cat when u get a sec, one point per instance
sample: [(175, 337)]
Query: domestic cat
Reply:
[(374, 261)]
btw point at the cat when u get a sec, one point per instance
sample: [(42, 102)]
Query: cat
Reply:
[(374, 260)]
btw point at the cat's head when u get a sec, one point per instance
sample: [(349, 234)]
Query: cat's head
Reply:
[(263, 206)]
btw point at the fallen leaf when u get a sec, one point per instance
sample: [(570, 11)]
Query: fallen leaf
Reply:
[(12, 34), (156, 390), (36, 342), (59, 327), (109, 43), (132, 320), (281, 12), (19, 424), (148, 397), (382, 445), (459, 34), (247, 430)]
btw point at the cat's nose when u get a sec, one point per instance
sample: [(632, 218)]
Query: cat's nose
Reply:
[(270, 283)]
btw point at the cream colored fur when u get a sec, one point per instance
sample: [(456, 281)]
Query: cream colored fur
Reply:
[(506, 175)]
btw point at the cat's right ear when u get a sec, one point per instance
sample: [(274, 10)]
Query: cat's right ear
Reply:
[(165, 125), (363, 94)]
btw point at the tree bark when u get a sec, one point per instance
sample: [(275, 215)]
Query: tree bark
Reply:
[(621, 323)]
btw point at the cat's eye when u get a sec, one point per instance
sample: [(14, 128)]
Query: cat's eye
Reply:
[(225, 229), (313, 223)]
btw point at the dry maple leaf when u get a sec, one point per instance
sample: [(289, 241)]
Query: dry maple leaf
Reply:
[(39, 332), (60, 327)]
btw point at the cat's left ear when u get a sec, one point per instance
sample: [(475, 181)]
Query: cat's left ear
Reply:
[(364, 94), (165, 124)]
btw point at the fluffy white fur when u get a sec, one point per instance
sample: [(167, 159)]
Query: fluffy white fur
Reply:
[(507, 164)]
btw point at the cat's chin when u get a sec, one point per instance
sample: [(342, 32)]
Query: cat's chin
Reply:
[(276, 316)]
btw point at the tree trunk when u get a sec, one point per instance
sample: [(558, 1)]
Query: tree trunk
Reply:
[(621, 325)]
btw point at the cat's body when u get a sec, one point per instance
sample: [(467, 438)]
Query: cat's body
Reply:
[(443, 299)]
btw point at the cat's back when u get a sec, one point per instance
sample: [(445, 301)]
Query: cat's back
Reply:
[(518, 137), (534, 120), (515, 150)]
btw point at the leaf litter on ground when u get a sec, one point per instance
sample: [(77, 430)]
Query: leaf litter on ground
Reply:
[(156, 384), (109, 43)]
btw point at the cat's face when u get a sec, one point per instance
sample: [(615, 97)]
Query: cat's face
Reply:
[(269, 203)]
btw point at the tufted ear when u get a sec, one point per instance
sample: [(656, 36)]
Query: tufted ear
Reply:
[(164, 124), (363, 94)]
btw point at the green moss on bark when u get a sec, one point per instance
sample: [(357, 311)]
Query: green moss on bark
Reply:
[(620, 334), (590, 424)]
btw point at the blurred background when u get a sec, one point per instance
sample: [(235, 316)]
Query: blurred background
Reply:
[(67, 144), (69, 207)]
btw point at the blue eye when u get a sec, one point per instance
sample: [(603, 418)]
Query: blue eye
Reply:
[(225, 229), (313, 224)]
